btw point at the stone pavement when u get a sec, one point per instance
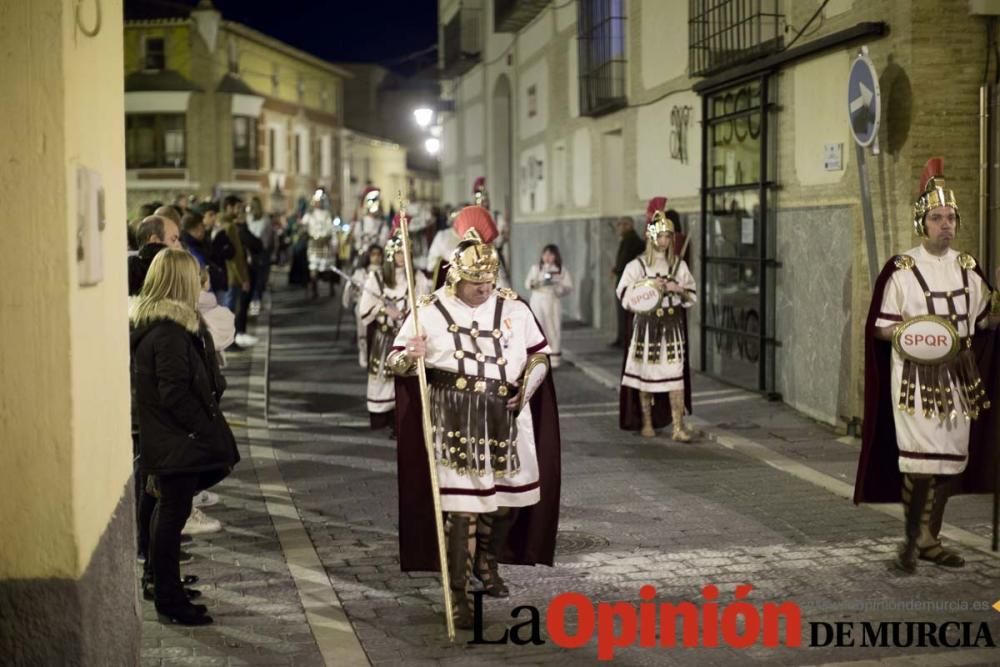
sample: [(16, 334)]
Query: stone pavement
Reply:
[(758, 503)]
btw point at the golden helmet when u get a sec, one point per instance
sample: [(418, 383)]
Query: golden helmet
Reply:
[(657, 221), (475, 259), (393, 246), (933, 194)]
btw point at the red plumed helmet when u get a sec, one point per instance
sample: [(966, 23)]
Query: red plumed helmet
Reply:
[(479, 219), (655, 204), (479, 185)]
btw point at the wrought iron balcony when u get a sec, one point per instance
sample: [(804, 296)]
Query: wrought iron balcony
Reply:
[(512, 15), (462, 43), (724, 33)]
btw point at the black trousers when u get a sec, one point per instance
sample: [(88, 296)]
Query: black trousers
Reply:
[(623, 336), (172, 511), (242, 312), (144, 504)]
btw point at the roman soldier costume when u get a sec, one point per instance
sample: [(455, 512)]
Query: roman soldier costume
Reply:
[(497, 465), (319, 227), (446, 240), (656, 377), (928, 431), (382, 307), (372, 228)]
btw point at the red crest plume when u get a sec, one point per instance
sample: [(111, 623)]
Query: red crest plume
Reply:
[(478, 218), (933, 169), (479, 185), (655, 204), (396, 223), (370, 188)]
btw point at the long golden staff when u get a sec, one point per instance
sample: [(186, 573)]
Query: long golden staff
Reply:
[(425, 415)]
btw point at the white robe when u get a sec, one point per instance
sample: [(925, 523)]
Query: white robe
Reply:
[(381, 394), (663, 375), (520, 337), (350, 299), (545, 296), (320, 250), (919, 437)]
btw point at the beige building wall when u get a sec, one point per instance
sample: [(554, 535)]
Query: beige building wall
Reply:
[(571, 172), (65, 463)]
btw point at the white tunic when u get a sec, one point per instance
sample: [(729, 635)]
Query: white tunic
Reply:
[(443, 245), (320, 250), (663, 375), (927, 444), (351, 299), (370, 231), (520, 337), (381, 382), (549, 284)]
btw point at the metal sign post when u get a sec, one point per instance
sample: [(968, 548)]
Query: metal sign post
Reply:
[(864, 105)]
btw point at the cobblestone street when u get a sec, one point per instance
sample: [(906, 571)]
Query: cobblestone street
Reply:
[(310, 524)]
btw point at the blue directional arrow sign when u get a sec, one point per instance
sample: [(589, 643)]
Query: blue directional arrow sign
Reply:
[(863, 101)]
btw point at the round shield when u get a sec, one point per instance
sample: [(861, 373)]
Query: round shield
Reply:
[(644, 296), (926, 340)]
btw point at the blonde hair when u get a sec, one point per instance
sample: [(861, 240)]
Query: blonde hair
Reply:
[(173, 275)]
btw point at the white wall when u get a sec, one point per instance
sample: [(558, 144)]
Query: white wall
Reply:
[(582, 166), (659, 129), (820, 116), (664, 41), (538, 76), (532, 169)]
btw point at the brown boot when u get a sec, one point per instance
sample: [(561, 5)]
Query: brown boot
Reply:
[(646, 405), (460, 539), (491, 537), (677, 413)]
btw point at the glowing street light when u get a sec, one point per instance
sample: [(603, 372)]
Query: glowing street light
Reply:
[(436, 131), (424, 115), (433, 145)]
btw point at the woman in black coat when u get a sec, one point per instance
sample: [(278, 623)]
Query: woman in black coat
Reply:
[(185, 444)]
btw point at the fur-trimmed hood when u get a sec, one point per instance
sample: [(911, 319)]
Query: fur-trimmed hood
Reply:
[(166, 309)]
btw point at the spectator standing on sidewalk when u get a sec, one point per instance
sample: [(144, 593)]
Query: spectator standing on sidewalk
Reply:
[(656, 360), (260, 226), (630, 246), (153, 235), (186, 444), (220, 249), (237, 269), (549, 282), (351, 299)]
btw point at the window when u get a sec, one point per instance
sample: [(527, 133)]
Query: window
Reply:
[(244, 142), (601, 34), (272, 147), (154, 140), (155, 57), (723, 33), (234, 57)]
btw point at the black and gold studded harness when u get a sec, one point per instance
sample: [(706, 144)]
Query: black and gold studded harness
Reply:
[(935, 381), (475, 433), (384, 335), (659, 333)]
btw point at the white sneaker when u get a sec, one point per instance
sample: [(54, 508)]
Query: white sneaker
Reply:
[(201, 524), (246, 340), (206, 499), (254, 309)]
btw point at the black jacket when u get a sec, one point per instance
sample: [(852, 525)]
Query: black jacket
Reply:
[(630, 247), (221, 250), (177, 387), (138, 266)]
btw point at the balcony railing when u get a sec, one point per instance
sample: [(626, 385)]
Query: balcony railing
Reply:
[(512, 15), (724, 33), (462, 42)]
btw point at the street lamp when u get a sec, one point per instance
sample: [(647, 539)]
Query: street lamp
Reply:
[(436, 131), (433, 145), (424, 115)]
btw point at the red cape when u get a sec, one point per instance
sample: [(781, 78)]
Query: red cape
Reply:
[(629, 412), (878, 478), (533, 536)]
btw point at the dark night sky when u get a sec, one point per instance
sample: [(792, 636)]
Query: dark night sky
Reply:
[(377, 31)]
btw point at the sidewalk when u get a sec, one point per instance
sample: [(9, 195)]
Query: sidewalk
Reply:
[(775, 433)]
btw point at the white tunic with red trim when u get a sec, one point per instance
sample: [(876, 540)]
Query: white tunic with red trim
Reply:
[(519, 338), (666, 374), (927, 444)]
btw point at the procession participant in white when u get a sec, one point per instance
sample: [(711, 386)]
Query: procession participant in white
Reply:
[(924, 453), (351, 298), (320, 251), (549, 281), (656, 361), (372, 228), (382, 307), (497, 458)]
